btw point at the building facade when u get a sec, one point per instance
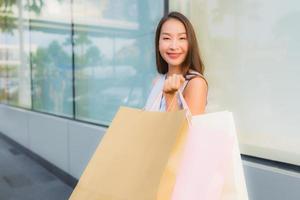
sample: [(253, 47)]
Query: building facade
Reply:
[(67, 65)]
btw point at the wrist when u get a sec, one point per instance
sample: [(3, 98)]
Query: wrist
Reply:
[(169, 95)]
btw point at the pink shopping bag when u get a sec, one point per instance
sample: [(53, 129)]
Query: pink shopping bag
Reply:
[(208, 149), (205, 163)]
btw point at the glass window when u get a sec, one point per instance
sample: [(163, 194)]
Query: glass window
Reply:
[(14, 64), (114, 55), (51, 57), (3, 63), (111, 47)]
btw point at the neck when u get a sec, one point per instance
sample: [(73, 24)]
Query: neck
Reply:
[(174, 70)]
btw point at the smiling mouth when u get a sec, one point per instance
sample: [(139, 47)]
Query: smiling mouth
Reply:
[(173, 55)]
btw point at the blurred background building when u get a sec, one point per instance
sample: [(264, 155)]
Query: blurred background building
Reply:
[(67, 65)]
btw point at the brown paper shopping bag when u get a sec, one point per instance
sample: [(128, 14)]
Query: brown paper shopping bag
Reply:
[(131, 158)]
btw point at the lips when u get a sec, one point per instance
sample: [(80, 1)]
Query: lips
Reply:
[(173, 55)]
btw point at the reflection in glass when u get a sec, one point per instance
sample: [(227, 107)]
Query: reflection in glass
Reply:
[(112, 46), (3, 69), (14, 65), (51, 73), (51, 58), (114, 55)]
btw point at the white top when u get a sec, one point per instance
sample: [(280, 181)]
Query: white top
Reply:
[(156, 101)]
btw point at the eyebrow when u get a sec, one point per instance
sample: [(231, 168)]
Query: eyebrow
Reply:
[(164, 33)]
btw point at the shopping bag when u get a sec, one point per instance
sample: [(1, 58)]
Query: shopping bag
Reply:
[(235, 185), (207, 158), (131, 158), (169, 176), (205, 163)]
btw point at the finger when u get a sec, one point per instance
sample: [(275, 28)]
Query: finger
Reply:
[(167, 84), (177, 82), (174, 83)]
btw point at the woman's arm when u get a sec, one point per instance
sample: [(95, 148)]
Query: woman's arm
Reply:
[(195, 95)]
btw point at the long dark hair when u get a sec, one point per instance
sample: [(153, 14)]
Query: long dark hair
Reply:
[(192, 60)]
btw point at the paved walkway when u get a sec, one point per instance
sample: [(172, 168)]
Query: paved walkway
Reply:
[(21, 178)]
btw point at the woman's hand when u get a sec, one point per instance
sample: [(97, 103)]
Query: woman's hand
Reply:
[(171, 86), (173, 83)]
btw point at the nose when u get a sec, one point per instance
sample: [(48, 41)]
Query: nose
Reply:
[(174, 44)]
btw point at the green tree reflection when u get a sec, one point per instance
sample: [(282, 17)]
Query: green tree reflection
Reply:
[(50, 69), (7, 18), (34, 5)]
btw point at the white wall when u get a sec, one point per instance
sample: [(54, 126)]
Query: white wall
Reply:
[(67, 144), (251, 50)]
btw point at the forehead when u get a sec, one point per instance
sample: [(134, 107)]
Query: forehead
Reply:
[(173, 26)]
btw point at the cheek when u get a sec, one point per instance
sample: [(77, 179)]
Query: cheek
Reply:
[(162, 48), (185, 46)]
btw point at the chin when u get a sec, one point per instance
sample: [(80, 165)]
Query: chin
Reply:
[(175, 63)]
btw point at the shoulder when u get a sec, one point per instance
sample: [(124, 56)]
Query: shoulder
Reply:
[(191, 74), (196, 80), (195, 95), (197, 83)]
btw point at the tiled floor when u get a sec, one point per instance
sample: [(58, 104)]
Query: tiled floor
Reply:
[(21, 178)]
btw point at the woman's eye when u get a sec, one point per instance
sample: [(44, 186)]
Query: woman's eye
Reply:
[(166, 38), (182, 38)]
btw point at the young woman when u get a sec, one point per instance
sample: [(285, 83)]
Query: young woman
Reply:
[(179, 65)]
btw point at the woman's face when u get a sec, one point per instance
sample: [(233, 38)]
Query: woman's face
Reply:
[(173, 43)]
